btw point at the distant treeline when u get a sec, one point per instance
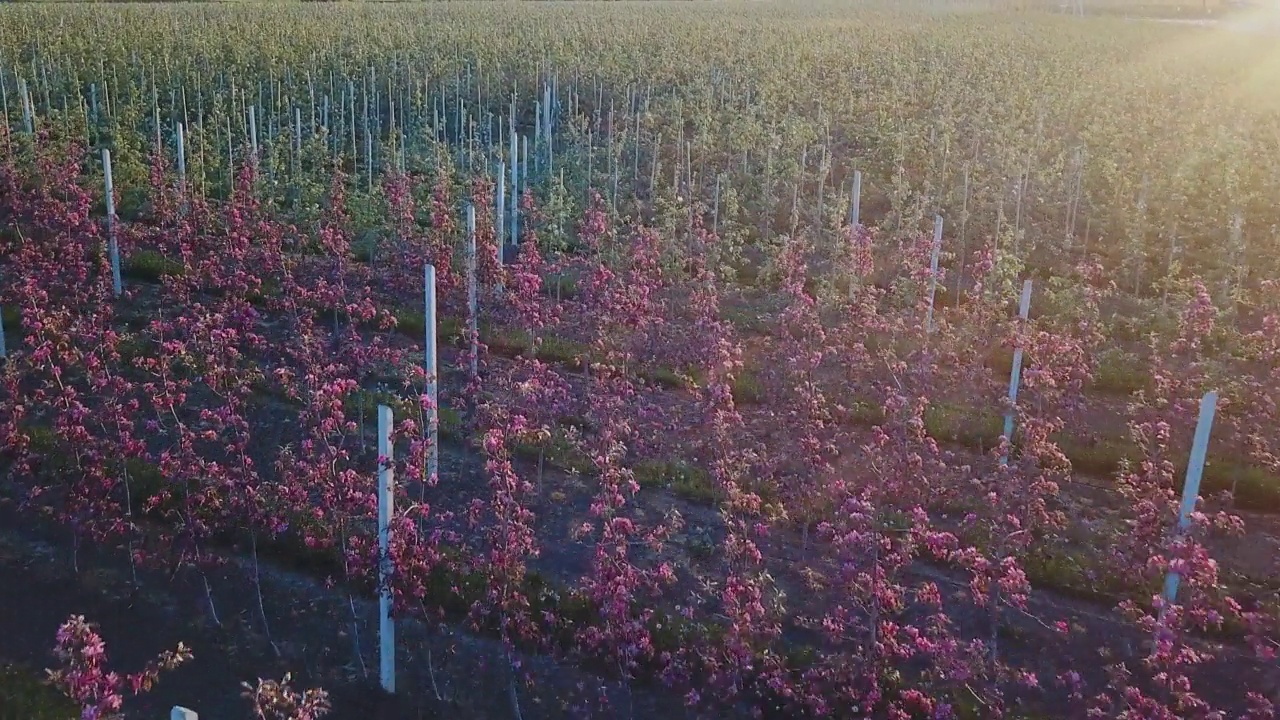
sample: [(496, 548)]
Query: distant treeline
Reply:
[(1129, 8), (239, 2), (1166, 9)]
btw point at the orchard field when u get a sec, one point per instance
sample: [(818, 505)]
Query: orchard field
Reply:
[(727, 306)]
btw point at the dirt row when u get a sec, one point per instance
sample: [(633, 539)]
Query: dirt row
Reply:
[(563, 497)]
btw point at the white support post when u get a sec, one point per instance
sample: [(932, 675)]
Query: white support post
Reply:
[(546, 111), (715, 205), (551, 157), (180, 713), (231, 154), (4, 350), (1015, 375), (1191, 489), (386, 479), (155, 122), (500, 210), (25, 98), (113, 250), (473, 309), (253, 132), (368, 152), (515, 189), (933, 271), (537, 131), (180, 136), (855, 208), (31, 110), (524, 160), (432, 366), (615, 156)]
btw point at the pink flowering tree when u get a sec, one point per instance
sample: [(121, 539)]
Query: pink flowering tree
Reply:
[(84, 676)]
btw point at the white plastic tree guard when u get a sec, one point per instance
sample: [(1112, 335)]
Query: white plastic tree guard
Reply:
[(933, 271), (113, 250), (1191, 489), (1015, 374), (386, 481), (431, 366), (473, 307)]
